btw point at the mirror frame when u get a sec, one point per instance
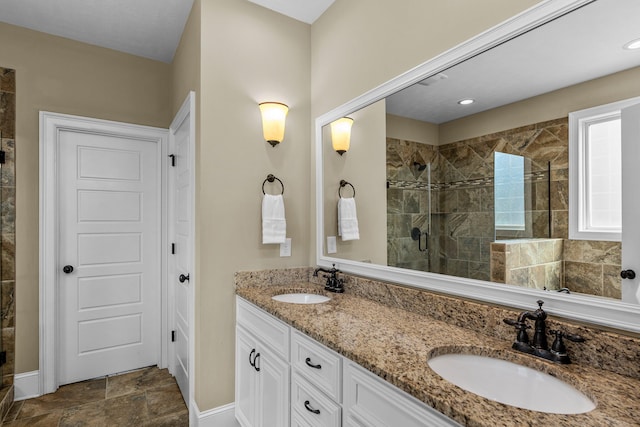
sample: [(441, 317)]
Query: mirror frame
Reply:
[(593, 310)]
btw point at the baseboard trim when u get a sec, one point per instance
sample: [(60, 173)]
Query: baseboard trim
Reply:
[(222, 416), (26, 385)]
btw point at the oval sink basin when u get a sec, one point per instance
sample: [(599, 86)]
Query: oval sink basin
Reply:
[(301, 298), (511, 384)]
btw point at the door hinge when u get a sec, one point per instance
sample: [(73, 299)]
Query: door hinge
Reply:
[(173, 249), (173, 159), (173, 336), (3, 357)]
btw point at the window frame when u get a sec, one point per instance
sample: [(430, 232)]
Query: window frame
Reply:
[(522, 226), (578, 123)]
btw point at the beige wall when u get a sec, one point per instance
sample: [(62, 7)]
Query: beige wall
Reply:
[(59, 75), (249, 54), (360, 44), (549, 106), (412, 130), (364, 167), (185, 68)]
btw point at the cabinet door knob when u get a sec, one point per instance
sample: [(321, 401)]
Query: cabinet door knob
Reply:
[(628, 274), (67, 269), (311, 365), (309, 408), (182, 278)]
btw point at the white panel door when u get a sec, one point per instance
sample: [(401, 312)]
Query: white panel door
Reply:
[(631, 202), (181, 135), (109, 303)]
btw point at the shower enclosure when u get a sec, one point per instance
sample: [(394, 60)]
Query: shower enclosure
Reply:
[(7, 234), (447, 204)]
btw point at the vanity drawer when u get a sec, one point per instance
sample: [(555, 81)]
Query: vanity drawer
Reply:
[(270, 331), (321, 366), (311, 407), (372, 402)]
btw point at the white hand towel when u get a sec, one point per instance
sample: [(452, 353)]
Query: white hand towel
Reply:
[(274, 225), (348, 219)]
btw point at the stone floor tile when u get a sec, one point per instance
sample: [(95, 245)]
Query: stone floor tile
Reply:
[(137, 381), (50, 419), (147, 397), (164, 400), (66, 396), (13, 411), (129, 410), (180, 419)]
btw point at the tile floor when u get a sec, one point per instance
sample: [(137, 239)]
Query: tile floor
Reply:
[(146, 397)]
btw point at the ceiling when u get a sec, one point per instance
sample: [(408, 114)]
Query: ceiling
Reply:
[(147, 28), (581, 46), (302, 10)]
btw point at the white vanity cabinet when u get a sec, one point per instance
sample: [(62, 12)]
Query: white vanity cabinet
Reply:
[(284, 378), (262, 368)]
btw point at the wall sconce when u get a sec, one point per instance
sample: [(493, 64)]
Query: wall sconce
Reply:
[(341, 134), (273, 118)]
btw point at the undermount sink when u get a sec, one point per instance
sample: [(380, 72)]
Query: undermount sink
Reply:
[(511, 384), (301, 298)]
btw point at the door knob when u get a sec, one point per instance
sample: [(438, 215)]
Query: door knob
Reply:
[(182, 278), (628, 274), (67, 269)]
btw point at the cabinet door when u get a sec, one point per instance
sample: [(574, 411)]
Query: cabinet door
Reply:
[(246, 377), (273, 386)]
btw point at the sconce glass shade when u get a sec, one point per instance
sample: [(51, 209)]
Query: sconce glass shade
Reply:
[(341, 134), (273, 119)]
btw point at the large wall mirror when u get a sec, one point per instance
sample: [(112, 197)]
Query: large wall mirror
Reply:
[(473, 198)]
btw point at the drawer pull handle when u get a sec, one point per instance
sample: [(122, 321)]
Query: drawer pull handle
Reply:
[(309, 408), (252, 362), (311, 365), (256, 366)]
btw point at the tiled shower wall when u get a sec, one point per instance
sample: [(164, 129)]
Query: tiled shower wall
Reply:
[(7, 219), (462, 205)]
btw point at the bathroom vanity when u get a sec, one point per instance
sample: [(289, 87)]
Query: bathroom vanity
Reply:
[(372, 345), (282, 373)]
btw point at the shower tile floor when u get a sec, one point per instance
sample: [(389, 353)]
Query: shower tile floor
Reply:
[(146, 397)]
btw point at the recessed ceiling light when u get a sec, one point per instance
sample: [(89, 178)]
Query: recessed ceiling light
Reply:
[(466, 101), (633, 44)]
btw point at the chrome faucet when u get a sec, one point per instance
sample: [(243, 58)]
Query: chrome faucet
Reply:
[(334, 284), (539, 346)]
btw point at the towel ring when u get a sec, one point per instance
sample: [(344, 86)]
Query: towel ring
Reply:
[(272, 178), (344, 183)]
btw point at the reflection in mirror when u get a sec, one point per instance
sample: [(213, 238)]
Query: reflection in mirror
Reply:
[(432, 191)]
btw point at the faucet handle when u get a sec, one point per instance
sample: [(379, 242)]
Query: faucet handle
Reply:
[(567, 335), (516, 324), (521, 327), (558, 346)]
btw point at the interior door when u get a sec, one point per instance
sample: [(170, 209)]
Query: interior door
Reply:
[(110, 285), (181, 275), (630, 204)]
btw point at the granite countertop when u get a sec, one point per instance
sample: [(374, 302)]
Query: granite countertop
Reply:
[(395, 344)]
